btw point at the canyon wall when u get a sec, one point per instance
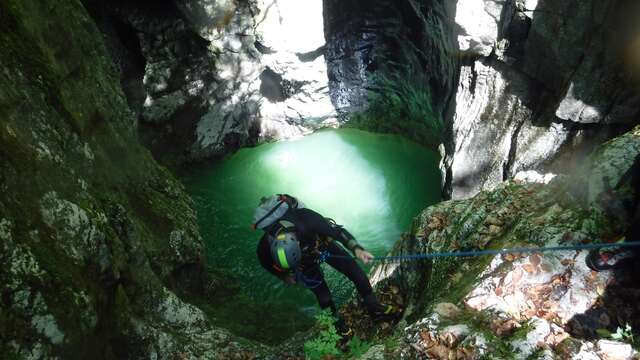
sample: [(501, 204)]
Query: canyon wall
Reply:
[(97, 241)]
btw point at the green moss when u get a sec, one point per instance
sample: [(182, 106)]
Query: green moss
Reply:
[(400, 102), (59, 95), (245, 317)]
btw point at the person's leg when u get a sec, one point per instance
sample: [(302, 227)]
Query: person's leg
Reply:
[(633, 233), (622, 257), (314, 281), (349, 267)]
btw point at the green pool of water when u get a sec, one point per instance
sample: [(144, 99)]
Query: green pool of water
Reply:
[(372, 184)]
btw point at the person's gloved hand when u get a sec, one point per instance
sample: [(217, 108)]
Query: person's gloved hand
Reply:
[(364, 255)]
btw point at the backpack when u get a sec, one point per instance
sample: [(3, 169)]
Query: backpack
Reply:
[(273, 208)]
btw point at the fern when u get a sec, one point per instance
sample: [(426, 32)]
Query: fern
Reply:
[(357, 348), (325, 343)]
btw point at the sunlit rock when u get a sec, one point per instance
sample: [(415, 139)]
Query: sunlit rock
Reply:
[(555, 286), (561, 65), (534, 177), (547, 303), (492, 105), (228, 74), (93, 232), (613, 350), (478, 21)]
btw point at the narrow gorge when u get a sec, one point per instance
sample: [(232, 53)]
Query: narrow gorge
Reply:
[(137, 138)]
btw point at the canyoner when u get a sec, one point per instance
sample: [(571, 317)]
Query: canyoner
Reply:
[(297, 240)]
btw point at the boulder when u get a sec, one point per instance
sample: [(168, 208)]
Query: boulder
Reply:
[(548, 304)]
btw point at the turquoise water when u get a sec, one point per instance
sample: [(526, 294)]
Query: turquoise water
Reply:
[(372, 184)]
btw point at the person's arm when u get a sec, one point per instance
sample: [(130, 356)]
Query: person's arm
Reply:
[(321, 226)]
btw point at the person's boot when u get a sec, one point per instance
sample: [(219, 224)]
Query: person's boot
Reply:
[(607, 259), (378, 311), (342, 328)]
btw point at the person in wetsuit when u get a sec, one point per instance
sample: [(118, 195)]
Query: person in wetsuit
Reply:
[(319, 237), (629, 210)]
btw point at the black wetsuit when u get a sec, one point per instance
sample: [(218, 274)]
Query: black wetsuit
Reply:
[(633, 233), (316, 234)]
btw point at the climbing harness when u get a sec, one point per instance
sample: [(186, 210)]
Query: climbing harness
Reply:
[(306, 281), (417, 257), (324, 255)]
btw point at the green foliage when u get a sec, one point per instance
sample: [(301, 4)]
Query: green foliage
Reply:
[(536, 354), (357, 347), (400, 102), (324, 345), (624, 334)]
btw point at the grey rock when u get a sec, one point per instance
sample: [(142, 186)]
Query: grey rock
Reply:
[(614, 350), (539, 294), (543, 66), (229, 74), (376, 352), (608, 164), (365, 37), (493, 103), (77, 235), (93, 206)]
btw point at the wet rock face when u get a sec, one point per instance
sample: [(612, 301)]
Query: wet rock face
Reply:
[(521, 82), (363, 36), (545, 303), (219, 75), (93, 232), (190, 101), (538, 78), (524, 84)]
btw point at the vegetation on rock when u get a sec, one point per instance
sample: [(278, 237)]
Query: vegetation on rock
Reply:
[(96, 237), (400, 102)]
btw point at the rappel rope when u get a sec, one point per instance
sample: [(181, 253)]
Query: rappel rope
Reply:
[(416, 257)]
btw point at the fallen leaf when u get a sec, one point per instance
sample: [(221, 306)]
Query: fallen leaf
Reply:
[(511, 257), (534, 259), (567, 262), (516, 275), (546, 267), (529, 268)]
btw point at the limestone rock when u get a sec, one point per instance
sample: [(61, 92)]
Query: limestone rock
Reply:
[(610, 163), (376, 352), (94, 234), (479, 21), (528, 63), (546, 304), (613, 350), (364, 37), (221, 75), (446, 310)]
